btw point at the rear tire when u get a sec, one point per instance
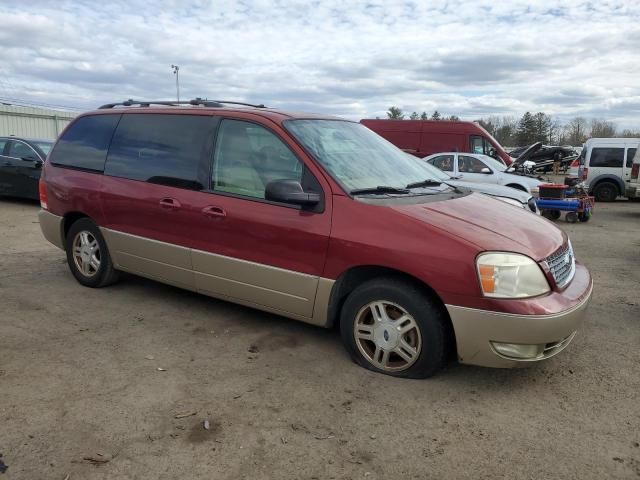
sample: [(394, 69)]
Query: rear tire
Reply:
[(605, 192), (571, 217), (88, 256), (391, 326)]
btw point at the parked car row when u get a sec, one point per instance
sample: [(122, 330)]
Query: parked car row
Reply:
[(317, 219)]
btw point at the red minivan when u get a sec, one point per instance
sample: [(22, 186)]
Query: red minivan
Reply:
[(313, 218), (424, 137)]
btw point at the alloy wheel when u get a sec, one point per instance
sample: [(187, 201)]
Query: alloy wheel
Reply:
[(86, 253), (387, 336)]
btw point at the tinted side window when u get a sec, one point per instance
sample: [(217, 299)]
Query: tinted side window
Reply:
[(470, 164), (248, 157), (167, 149), (3, 142), (21, 150), (631, 153), (607, 157), (443, 162), (84, 145)]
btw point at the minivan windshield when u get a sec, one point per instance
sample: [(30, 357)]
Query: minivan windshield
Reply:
[(358, 158)]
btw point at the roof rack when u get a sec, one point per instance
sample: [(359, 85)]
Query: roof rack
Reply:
[(196, 101)]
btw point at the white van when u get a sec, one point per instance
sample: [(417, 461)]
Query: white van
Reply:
[(633, 185), (605, 165)]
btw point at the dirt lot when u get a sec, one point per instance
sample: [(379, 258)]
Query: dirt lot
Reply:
[(82, 393)]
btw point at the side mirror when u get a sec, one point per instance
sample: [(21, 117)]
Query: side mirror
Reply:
[(290, 191), (486, 170)]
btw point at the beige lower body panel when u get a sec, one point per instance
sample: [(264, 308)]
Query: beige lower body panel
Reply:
[(51, 226), (284, 292), (476, 329)]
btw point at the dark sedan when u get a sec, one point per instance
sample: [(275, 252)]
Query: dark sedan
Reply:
[(20, 162)]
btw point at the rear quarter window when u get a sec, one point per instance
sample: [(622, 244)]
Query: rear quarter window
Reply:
[(173, 150), (85, 143), (631, 154), (607, 157)]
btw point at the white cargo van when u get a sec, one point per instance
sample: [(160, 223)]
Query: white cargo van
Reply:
[(605, 165)]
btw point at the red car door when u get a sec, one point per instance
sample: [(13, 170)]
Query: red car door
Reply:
[(156, 167), (251, 250)]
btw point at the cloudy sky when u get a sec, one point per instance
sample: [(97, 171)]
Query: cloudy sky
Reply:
[(355, 59)]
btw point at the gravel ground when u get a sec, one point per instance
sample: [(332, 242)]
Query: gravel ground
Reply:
[(91, 383)]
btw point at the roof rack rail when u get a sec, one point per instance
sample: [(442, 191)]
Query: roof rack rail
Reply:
[(196, 101)]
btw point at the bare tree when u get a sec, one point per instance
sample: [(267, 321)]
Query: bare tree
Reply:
[(576, 131), (601, 128)]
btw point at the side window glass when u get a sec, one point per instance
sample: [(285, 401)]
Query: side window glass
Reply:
[(248, 157), (3, 142), (607, 157), (21, 150), (84, 144), (165, 149), (470, 164), (631, 153), (477, 144), (443, 162)]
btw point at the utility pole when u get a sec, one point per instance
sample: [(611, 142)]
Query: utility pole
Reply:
[(176, 72)]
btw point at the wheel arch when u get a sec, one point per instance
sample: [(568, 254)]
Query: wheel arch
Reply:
[(517, 186), (69, 219), (350, 279), (610, 178)]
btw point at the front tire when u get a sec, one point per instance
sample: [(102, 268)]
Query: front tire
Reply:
[(88, 256), (391, 326)]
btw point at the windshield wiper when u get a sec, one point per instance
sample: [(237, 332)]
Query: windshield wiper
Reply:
[(381, 189), (429, 182)]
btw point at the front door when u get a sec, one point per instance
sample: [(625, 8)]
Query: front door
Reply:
[(251, 250), (472, 169), (21, 165)]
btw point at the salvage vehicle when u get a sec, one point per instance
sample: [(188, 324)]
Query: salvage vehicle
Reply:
[(547, 155), (509, 195), (424, 137), (605, 166), (20, 163), (314, 218), (471, 167)]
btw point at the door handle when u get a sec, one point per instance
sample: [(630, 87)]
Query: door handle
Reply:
[(214, 212), (170, 203)]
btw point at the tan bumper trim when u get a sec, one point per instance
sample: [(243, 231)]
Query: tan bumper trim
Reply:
[(475, 329), (51, 226)]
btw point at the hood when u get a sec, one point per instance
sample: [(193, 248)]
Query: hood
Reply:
[(527, 153), (490, 224), (493, 190)]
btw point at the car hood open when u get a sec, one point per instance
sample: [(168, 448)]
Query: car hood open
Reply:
[(490, 224), (527, 153)]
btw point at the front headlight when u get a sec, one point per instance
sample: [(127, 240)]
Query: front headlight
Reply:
[(512, 201), (510, 275)]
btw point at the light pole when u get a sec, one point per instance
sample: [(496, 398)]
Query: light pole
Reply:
[(176, 72)]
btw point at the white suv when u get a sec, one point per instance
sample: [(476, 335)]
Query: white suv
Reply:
[(605, 165)]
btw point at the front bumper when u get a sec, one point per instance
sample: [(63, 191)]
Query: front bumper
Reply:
[(632, 190), (478, 330)]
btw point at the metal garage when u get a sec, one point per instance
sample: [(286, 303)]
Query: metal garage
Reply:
[(32, 122)]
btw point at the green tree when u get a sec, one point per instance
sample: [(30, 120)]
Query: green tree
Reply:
[(395, 113), (414, 116), (436, 115), (526, 132), (454, 118), (542, 124), (424, 116)]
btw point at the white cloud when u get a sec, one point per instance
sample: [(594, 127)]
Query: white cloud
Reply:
[(469, 58)]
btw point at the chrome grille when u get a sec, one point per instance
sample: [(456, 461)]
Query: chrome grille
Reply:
[(562, 265)]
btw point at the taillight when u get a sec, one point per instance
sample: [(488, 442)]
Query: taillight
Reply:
[(585, 173), (42, 190), (635, 170), (575, 163)]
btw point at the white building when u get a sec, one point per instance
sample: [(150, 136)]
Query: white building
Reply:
[(32, 122)]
